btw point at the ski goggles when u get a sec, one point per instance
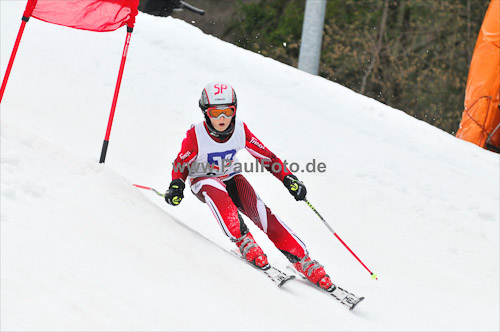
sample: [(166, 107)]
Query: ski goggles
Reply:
[(218, 111)]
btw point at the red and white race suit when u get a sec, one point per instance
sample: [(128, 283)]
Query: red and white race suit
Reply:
[(216, 180)]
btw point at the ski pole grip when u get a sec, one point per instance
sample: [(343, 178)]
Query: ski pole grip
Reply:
[(193, 8)]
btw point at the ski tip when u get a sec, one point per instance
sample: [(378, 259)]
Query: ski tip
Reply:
[(354, 306)]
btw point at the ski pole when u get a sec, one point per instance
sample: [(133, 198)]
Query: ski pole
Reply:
[(374, 276), (192, 8), (152, 189)]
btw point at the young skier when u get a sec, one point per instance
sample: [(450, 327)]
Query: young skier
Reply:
[(207, 157)]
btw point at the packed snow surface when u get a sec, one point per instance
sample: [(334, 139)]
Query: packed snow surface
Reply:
[(83, 249)]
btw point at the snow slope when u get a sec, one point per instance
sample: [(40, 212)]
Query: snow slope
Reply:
[(82, 249)]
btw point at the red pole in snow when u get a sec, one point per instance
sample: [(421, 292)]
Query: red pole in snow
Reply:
[(13, 55), (115, 97)]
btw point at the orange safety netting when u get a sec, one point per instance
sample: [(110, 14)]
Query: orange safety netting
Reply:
[(481, 117)]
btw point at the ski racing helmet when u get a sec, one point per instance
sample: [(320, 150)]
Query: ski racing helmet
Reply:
[(218, 94)]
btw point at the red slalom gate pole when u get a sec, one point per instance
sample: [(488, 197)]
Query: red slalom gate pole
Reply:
[(115, 97), (13, 56), (374, 276)]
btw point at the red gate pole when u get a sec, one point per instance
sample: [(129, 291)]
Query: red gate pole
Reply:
[(13, 56), (115, 97)]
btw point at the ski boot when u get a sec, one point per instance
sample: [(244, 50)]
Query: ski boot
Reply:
[(251, 251), (315, 273)]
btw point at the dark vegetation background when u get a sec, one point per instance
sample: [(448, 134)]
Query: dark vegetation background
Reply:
[(413, 55)]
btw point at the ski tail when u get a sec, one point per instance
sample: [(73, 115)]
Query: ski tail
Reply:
[(346, 298)]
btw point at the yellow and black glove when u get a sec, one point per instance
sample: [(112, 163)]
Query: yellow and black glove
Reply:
[(175, 192), (295, 187)]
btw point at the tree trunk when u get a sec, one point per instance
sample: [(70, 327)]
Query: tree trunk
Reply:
[(376, 49)]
